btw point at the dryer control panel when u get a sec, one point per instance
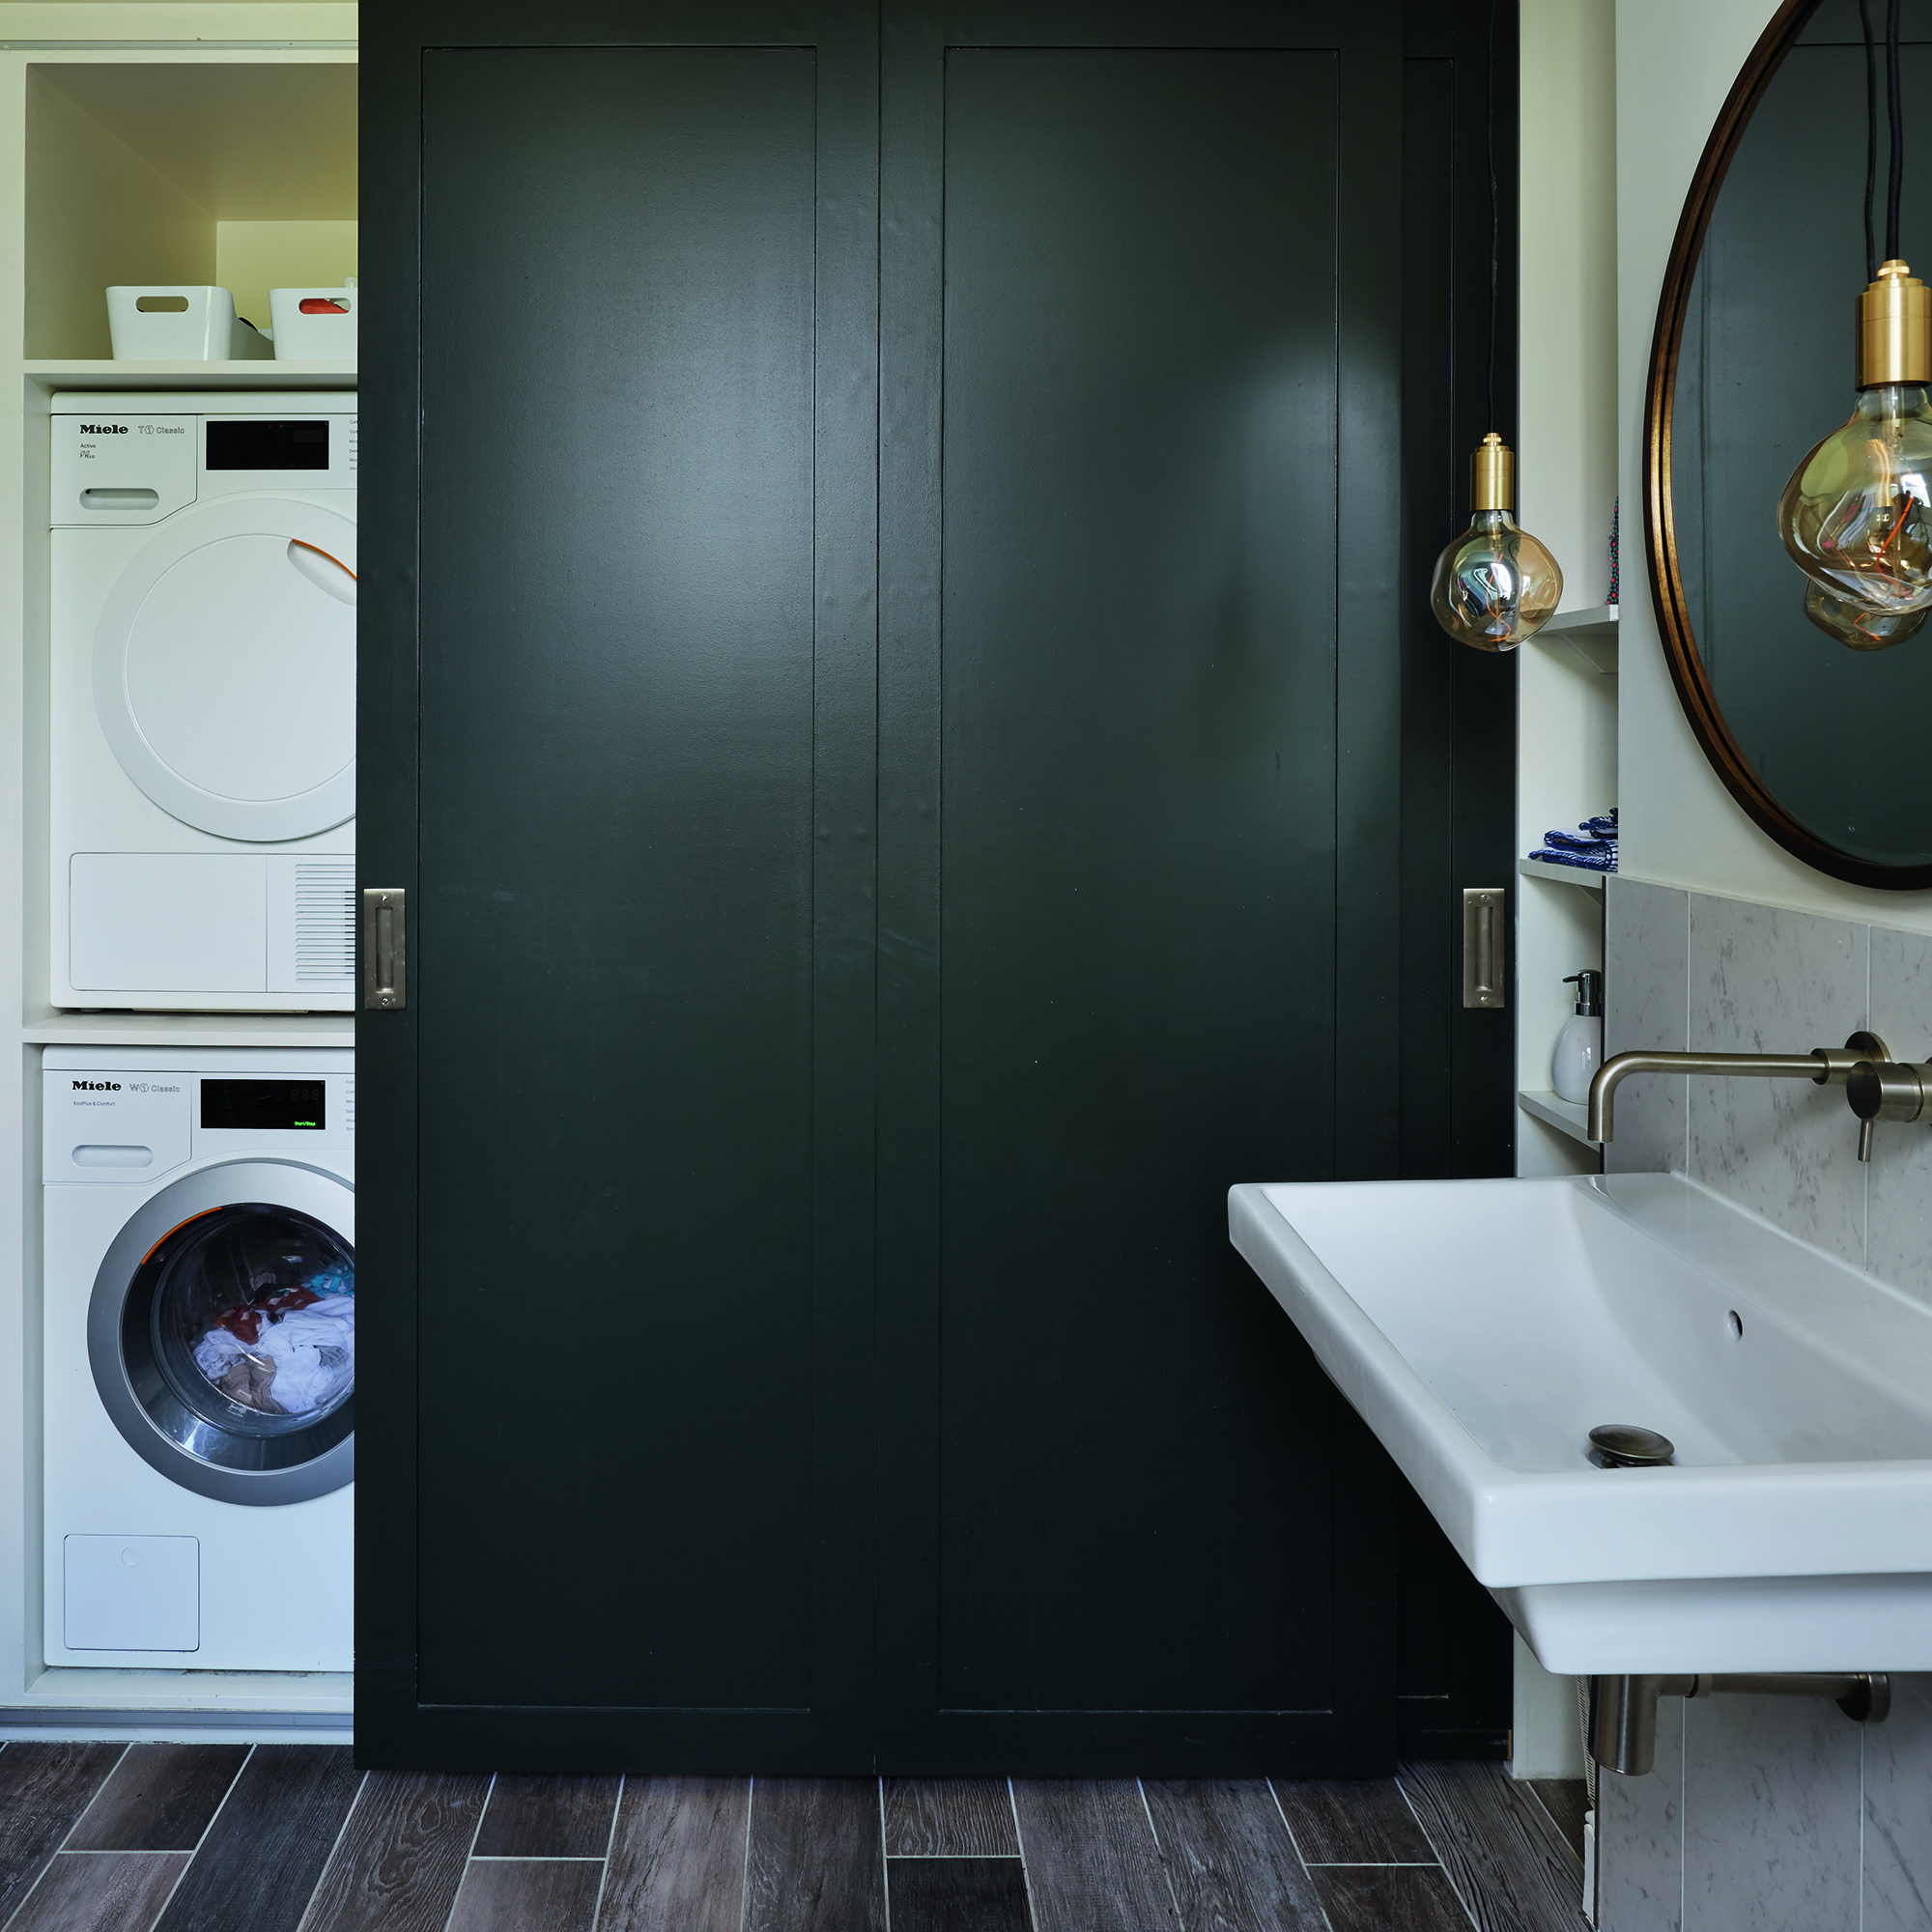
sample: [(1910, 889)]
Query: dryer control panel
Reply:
[(130, 460)]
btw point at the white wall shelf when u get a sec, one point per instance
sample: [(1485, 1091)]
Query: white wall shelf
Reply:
[(192, 1030), (1562, 875), (1567, 1117), (1589, 634), (150, 376)]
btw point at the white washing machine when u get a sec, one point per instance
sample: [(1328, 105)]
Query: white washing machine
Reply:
[(199, 1358), (203, 754)]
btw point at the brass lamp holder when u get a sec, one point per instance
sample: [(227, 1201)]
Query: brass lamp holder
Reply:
[(1895, 330), (1492, 476)]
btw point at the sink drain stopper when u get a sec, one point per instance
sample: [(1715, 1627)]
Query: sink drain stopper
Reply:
[(1623, 1445)]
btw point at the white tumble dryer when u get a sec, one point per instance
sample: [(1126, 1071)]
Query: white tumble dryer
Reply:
[(203, 701), (199, 1372)]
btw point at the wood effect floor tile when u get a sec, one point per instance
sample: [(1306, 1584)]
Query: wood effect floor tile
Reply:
[(954, 1895), (1091, 1857), (528, 1895), (101, 1891), (1229, 1859), (1566, 1799), (1389, 1898), (160, 1797), (258, 1866), (950, 1817), (43, 1788), (1501, 1848), (1358, 1821), (677, 1859), (813, 1862), (549, 1818), (401, 1855)]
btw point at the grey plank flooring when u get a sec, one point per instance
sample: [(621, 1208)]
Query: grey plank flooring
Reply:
[(813, 1862), (101, 1891), (43, 1788), (160, 1797), (401, 1855), (260, 1861), (958, 1895), (678, 1859), (549, 1818), (1389, 1898), (528, 1895), (1091, 1857), (1500, 1846), (949, 1818), (1566, 1799), (1352, 1822), (160, 1841), (1230, 1858)]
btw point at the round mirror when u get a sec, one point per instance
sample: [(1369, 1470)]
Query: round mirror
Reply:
[(1752, 367)]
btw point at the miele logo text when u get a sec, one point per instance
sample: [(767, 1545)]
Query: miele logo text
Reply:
[(96, 1086), (103, 429)]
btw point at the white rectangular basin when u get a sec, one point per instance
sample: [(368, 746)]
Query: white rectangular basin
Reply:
[(1482, 1328)]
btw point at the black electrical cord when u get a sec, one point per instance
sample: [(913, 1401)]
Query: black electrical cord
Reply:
[(1496, 207), (1897, 142), (1871, 138)]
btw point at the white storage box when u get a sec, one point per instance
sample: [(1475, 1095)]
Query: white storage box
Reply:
[(315, 325), (181, 324)]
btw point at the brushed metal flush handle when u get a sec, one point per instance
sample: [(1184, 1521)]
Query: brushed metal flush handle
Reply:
[(1483, 947), (385, 948)]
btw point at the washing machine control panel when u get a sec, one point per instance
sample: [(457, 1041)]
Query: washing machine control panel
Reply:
[(131, 1126)]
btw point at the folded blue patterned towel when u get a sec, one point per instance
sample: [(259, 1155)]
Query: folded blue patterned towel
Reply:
[(1598, 859), (1592, 845)]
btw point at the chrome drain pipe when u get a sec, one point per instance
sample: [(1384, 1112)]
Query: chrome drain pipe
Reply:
[(1623, 1709)]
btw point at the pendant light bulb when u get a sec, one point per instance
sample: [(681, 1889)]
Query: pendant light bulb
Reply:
[(1857, 515), (1495, 584), (1856, 627)]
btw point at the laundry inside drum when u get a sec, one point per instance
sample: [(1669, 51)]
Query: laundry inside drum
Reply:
[(253, 1318)]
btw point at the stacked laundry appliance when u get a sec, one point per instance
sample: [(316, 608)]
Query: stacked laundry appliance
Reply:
[(199, 1204)]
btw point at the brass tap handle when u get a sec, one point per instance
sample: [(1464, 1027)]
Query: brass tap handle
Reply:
[(1840, 1060)]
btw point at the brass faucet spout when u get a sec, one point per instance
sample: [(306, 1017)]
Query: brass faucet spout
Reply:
[(1815, 1066)]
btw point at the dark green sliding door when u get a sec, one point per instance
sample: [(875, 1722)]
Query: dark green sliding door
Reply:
[(623, 1136), (1148, 325), (891, 677)]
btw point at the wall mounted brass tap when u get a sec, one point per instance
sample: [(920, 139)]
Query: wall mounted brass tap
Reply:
[(1888, 1089), (1823, 1066)]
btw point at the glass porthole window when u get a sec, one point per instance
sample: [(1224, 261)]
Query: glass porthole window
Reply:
[(238, 1337)]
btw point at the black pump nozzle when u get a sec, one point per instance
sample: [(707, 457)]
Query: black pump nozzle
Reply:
[(1589, 985)]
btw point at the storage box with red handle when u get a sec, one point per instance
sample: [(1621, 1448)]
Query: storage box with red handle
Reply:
[(315, 325)]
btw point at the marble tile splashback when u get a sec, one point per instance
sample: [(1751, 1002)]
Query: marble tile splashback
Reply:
[(1767, 1813), (1687, 970), (1772, 1814)]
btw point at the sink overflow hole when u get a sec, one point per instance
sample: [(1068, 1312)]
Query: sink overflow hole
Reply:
[(1735, 1322)]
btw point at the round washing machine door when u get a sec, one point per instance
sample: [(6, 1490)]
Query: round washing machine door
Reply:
[(221, 1332), (224, 669)]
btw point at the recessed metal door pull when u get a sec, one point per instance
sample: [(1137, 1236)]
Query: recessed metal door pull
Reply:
[(385, 948), (1482, 948)]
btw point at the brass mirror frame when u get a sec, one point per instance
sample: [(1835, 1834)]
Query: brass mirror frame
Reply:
[(1666, 585)]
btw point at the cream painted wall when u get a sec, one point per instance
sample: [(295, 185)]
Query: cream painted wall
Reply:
[(1567, 474), (1675, 64), (253, 257)]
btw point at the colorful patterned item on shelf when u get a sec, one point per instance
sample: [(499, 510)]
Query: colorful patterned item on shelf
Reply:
[(1592, 846)]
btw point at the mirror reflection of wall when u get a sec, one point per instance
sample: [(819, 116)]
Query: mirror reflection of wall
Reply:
[(1765, 372)]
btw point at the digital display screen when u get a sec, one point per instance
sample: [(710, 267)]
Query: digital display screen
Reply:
[(257, 445), (273, 1104)]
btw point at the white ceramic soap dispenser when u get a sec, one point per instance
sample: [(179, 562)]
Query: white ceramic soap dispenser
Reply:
[(1580, 1046)]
